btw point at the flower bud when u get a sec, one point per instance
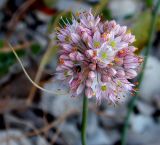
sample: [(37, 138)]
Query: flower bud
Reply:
[(130, 73), (105, 78), (89, 92), (92, 66), (89, 82), (120, 73), (75, 37), (72, 56), (91, 75), (68, 63), (79, 57), (112, 71)]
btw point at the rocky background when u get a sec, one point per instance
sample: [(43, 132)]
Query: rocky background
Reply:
[(31, 117)]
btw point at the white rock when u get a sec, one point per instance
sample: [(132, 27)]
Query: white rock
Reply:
[(144, 108), (100, 138), (139, 123), (149, 137), (60, 103), (113, 116), (70, 133), (72, 5), (113, 135), (150, 84), (41, 141), (92, 124), (122, 8), (13, 133)]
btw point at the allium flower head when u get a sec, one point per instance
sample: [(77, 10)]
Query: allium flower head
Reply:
[(97, 58)]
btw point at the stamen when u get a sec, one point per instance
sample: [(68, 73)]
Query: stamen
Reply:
[(94, 53), (104, 36), (74, 49), (96, 44), (66, 73), (140, 60), (116, 59), (104, 88), (77, 14), (136, 83), (104, 55), (61, 61), (121, 51), (119, 83), (113, 44), (68, 39)]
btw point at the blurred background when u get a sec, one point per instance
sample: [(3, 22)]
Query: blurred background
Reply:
[(32, 117)]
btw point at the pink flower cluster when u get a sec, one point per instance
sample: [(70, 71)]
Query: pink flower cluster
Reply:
[(97, 58)]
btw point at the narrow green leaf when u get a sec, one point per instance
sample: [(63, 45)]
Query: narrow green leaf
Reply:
[(1, 43), (140, 28), (35, 48)]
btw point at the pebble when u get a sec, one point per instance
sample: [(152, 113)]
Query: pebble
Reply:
[(72, 5), (149, 137), (141, 123), (99, 138), (70, 133), (14, 133), (59, 104), (122, 8), (145, 108), (150, 84)]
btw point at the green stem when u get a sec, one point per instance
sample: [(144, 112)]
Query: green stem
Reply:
[(140, 78), (84, 120)]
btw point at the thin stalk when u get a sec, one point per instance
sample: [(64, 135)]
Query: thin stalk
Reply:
[(140, 78), (97, 9), (84, 120)]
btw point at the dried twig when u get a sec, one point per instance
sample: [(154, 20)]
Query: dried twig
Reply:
[(43, 129), (19, 13), (44, 61), (6, 49), (7, 105), (53, 141), (51, 51)]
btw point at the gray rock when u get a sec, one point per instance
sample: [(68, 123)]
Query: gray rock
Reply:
[(72, 5), (145, 108), (156, 100), (60, 103), (149, 137), (41, 141), (113, 116), (92, 124), (141, 123), (120, 9), (4, 135), (99, 138), (150, 84), (70, 133), (113, 135)]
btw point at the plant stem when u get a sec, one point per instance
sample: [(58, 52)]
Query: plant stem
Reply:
[(140, 78), (84, 120)]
